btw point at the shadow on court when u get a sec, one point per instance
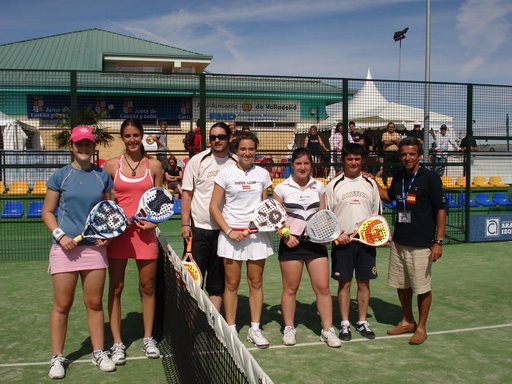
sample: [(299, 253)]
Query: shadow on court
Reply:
[(131, 330)]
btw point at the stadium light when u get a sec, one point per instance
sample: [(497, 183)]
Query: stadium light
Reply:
[(399, 36)]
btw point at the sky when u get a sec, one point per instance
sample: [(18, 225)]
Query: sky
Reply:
[(470, 39)]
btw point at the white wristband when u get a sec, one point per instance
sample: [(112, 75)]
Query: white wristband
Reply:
[(58, 234)]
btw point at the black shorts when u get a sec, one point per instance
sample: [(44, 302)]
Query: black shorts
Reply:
[(353, 257), (306, 250), (204, 250)]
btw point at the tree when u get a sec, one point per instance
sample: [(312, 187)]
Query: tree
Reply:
[(86, 116)]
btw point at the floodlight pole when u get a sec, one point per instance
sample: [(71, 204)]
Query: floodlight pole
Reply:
[(426, 100), (399, 36)]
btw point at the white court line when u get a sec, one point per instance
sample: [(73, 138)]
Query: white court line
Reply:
[(459, 330)]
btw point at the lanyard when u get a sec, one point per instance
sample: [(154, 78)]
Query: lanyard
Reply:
[(404, 194)]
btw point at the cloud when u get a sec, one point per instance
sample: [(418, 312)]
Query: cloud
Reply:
[(484, 27)]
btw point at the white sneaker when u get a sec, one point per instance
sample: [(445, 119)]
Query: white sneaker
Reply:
[(117, 353), (150, 349), (289, 335), (101, 359), (329, 337), (57, 369), (256, 337)]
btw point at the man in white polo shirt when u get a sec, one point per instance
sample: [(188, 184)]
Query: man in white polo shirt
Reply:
[(195, 216)]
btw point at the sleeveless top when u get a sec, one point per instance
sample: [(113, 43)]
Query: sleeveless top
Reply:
[(133, 243), (314, 143)]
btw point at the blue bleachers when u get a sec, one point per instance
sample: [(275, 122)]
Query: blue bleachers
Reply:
[(453, 202), (177, 206), (483, 200), (501, 199), (13, 210), (472, 203), (34, 209)]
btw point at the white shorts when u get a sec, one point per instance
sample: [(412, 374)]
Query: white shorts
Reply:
[(256, 246)]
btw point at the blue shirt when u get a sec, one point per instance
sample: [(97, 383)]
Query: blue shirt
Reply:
[(80, 191)]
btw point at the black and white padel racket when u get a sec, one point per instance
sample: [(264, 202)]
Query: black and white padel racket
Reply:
[(269, 216), (105, 221), (323, 227), (155, 205)]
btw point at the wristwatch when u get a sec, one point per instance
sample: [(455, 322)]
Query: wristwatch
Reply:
[(439, 242)]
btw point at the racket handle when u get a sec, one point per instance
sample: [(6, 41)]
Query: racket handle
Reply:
[(78, 239)]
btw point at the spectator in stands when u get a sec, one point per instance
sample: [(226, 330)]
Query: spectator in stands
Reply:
[(316, 146), (390, 141), (445, 143), (161, 141), (234, 134), (133, 174), (74, 190), (173, 175), (354, 136), (337, 145), (417, 132), (468, 144), (192, 140), (238, 190)]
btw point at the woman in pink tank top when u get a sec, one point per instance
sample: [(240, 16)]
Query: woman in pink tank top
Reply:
[(133, 174)]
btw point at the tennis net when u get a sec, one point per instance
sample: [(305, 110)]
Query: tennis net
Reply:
[(197, 345)]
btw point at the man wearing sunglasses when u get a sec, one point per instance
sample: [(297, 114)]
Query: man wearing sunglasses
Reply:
[(195, 216)]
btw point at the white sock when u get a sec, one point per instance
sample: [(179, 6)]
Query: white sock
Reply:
[(345, 322), (255, 326), (232, 328)]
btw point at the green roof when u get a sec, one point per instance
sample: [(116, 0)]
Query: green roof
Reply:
[(83, 50)]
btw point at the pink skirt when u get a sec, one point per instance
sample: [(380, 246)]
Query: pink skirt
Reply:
[(80, 258)]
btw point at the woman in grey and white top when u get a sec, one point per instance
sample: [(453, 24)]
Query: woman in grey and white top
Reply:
[(302, 196)]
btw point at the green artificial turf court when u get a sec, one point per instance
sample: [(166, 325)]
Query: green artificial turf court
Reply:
[(470, 327)]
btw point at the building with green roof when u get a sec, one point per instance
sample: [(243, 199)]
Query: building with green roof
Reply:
[(129, 77)]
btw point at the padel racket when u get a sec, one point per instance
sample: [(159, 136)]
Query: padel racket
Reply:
[(323, 227), (190, 264), (373, 231), (268, 216), (155, 205), (105, 221)]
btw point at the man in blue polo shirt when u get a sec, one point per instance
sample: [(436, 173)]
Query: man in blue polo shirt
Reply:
[(418, 236)]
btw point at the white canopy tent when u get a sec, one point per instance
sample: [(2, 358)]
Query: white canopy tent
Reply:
[(370, 109)]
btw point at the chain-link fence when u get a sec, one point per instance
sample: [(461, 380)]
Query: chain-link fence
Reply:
[(36, 105)]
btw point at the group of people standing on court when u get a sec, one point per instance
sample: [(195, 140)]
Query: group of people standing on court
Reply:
[(234, 186), (219, 192)]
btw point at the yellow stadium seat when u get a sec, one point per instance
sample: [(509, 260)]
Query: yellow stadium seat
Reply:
[(448, 182), (481, 182), (39, 187), (2, 187), (18, 188), (461, 182), (323, 180), (277, 180), (496, 181)]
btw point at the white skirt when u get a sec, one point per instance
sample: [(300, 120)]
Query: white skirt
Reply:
[(256, 246)]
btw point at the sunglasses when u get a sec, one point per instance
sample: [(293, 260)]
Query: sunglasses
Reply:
[(220, 137)]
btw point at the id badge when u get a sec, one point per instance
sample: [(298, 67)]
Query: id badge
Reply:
[(404, 217)]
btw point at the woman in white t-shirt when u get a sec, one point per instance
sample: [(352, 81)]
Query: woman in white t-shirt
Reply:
[(241, 187), (303, 196)]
